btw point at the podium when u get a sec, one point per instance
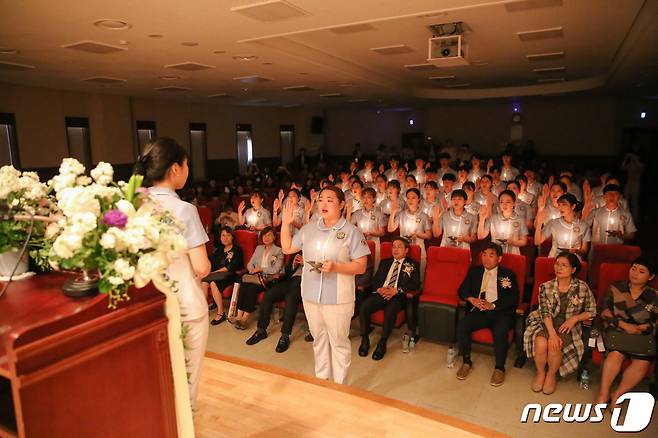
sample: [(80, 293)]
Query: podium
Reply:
[(74, 368)]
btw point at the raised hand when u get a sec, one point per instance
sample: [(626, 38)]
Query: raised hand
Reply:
[(395, 206), (545, 193), (437, 211), (444, 203), (287, 215), (276, 205), (241, 207), (551, 180), (331, 177)]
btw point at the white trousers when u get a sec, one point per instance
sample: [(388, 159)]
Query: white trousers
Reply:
[(330, 327), (196, 339)]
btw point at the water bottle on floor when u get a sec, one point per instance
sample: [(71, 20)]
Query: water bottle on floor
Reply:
[(584, 379), (405, 343), (412, 344), (452, 356)]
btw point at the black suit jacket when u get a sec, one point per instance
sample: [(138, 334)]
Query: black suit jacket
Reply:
[(406, 282), (508, 297)]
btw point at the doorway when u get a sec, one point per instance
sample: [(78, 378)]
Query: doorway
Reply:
[(245, 146)]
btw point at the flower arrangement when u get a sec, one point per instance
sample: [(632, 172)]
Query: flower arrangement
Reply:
[(21, 191), (114, 228)]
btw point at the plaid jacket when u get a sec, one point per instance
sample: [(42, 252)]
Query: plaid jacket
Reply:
[(580, 300)]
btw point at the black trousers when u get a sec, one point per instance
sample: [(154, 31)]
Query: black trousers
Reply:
[(500, 325), (248, 297), (291, 291), (376, 302)]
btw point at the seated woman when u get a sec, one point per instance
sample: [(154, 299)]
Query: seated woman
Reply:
[(632, 307), (507, 228), (225, 262), (553, 332), (568, 233), (267, 261)]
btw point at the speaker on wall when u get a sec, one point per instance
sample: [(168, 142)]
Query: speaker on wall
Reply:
[(317, 123)]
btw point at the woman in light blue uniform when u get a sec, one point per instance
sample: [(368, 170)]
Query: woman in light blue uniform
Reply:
[(334, 251), (164, 164)]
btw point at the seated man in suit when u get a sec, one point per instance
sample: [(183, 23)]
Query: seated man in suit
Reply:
[(492, 294), (288, 290), (394, 278)]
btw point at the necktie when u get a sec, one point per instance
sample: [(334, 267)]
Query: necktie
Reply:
[(485, 284), (394, 275)]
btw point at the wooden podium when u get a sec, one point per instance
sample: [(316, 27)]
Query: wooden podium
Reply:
[(74, 368)]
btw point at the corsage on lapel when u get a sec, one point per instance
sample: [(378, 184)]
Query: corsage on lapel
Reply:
[(407, 268), (505, 283), (649, 308), (229, 256), (273, 260)]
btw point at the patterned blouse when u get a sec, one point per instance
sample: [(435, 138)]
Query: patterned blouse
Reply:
[(641, 311), (580, 299)]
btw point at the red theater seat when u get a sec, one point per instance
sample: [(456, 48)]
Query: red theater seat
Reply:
[(205, 214), (437, 312), (247, 241), (602, 253), (544, 271)]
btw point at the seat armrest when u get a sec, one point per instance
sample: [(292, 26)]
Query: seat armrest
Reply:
[(413, 293)]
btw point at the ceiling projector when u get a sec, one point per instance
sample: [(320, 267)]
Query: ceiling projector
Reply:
[(448, 51)]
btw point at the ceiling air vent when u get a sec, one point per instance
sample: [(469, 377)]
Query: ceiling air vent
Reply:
[(94, 47), (189, 66), (270, 11)]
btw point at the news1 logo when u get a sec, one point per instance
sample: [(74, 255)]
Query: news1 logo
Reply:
[(638, 412)]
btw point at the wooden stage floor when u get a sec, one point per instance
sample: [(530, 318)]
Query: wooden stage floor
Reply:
[(240, 398)]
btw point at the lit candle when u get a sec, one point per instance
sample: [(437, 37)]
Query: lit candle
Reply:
[(251, 220), (612, 224)]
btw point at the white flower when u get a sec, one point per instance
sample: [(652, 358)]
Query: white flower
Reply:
[(71, 166), (108, 240), (61, 182), (66, 244), (83, 180), (149, 266), (124, 269), (103, 173), (126, 207), (78, 200), (82, 223), (52, 230), (116, 281)]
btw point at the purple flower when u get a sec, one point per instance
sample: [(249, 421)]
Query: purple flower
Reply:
[(115, 218)]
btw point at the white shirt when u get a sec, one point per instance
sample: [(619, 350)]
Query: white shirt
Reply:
[(490, 284), (391, 271)]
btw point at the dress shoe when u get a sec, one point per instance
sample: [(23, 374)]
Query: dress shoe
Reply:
[(217, 321), (308, 337), (258, 336), (364, 347), (497, 378), (380, 351), (549, 385), (283, 344), (464, 370), (212, 306)]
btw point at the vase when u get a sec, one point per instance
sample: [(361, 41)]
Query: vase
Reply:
[(83, 285), (8, 261)]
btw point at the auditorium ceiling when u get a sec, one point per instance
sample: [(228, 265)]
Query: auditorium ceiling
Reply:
[(330, 52)]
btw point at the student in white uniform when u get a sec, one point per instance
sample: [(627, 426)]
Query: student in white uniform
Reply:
[(355, 201), (458, 227), (471, 206), (507, 171), (484, 194), (548, 201), (392, 172), (392, 195), (444, 162), (568, 233), (365, 174), (506, 227), (611, 223), (462, 177), (380, 189), (413, 223), (164, 164), (257, 217), (522, 208), (334, 251), (572, 187), (524, 195), (534, 186), (432, 198), (294, 197), (476, 172), (419, 171), (371, 221)]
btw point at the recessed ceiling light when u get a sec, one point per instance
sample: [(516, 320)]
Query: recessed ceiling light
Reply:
[(124, 42), (8, 51), (155, 35), (168, 78), (219, 52), (112, 24), (189, 43), (245, 57), (267, 63)]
